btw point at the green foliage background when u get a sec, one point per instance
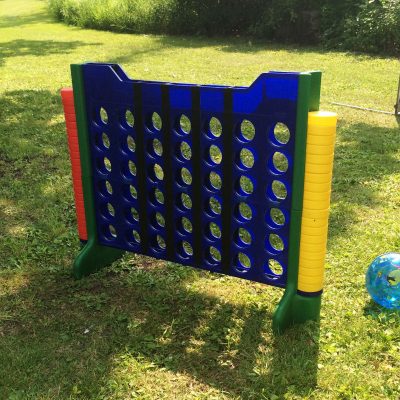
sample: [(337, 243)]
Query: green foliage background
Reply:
[(359, 25)]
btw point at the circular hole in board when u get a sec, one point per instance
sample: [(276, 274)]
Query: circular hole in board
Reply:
[(132, 167), (245, 212), (215, 154), (243, 263), (279, 190), (280, 162), (186, 176), (105, 140), (134, 214), (186, 151), (131, 143), (186, 248), (158, 172), (112, 231), (214, 254), (246, 185), (156, 121), (276, 243), (110, 209), (243, 237), (107, 164), (246, 158), (103, 115), (135, 236), (133, 191), (158, 196), (186, 201), (214, 230), (129, 118), (215, 205), (215, 181), (277, 217), (105, 188), (281, 133), (186, 225), (247, 130), (275, 267), (215, 127), (157, 147), (184, 124), (161, 242), (160, 219)]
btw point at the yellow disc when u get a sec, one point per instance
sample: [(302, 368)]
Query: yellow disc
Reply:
[(325, 133), (313, 272), (312, 264), (317, 196), (308, 256), (320, 240), (320, 140), (311, 280), (322, 118), (318, 168), (321, 130), (320, 149), (318, 178), (319, 159), (316, 214), (307, 284), (314, 222), (316, 204), (315, 231), (312, 248), (310, 288), (317, 187), (317, 251)]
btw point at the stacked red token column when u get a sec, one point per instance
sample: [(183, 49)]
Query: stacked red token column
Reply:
[(67, 96)]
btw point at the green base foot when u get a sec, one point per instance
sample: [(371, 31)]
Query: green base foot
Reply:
[(93, 257), (295, 308)]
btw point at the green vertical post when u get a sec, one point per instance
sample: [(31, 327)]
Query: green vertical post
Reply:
[(93, 256), (315, 90), (293, 307)]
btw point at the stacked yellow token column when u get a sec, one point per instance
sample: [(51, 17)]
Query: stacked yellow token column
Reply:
[(321, 135)]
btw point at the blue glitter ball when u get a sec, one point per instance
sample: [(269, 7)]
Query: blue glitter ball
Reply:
[(383, 280)]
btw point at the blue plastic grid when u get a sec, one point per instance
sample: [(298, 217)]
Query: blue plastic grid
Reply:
[(271, 99)]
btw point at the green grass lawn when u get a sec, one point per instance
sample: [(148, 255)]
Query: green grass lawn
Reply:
[(151, 330)]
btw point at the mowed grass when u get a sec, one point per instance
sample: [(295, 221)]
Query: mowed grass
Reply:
[(151, 330)]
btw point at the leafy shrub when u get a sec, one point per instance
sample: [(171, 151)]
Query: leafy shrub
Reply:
[(361, 25), (375, 29)]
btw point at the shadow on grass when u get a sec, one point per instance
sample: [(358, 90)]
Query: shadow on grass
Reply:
[(162, 43), (84, 332), (28, 134), (14, 21), (23, 47), (35, 184), (241, 45), (380, 314)]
